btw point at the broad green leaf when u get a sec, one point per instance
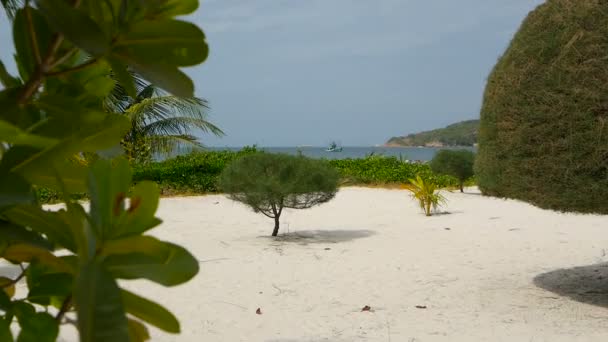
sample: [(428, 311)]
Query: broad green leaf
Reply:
[(150, 312), (99, 132), (5, 302), (75, 25), (14, 190), (108, 187), (23, 41), (35, 326), (11, 234), (169, 8), (45, 286), (14, 135), (52, 224), (101, 316), (6, 79), (73, 175), (8, 289), (167, 77), (137, 331), (5, 331), (149, 258), (27, 253), (123, 76), (169, 42), (139, 216)]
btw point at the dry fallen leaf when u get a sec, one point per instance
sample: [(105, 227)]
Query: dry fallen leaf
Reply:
[(366, 308), (258, 311)]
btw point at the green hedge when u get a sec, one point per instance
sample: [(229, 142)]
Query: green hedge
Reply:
[(544, 122), (198, 172)]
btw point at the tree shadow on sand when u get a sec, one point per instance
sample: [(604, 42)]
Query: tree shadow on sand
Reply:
[(587, 284), (305, 237)]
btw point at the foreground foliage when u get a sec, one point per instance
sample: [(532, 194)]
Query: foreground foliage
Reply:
[(455, 163), (544, 121), (268, 183), (426, 193), (55, 135)]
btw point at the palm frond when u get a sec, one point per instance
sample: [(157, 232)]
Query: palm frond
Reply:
[(165, 144), (11, 7), (179, 125)]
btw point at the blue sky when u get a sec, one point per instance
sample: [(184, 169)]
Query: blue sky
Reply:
[(306, 72)]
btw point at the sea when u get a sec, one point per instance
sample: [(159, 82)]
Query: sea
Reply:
[(403, 153)]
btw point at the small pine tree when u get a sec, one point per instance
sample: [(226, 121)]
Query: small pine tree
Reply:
[(458, 164), (268, 183)]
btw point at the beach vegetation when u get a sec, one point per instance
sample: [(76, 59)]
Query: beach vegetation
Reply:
[(426, 193), (56, 134), (543, 133), (161, 123), (455, 163), (269, 183)]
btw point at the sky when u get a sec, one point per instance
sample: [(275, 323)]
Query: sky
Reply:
[(307, 72)]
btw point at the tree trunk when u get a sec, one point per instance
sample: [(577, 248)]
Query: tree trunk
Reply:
[(461, 187), (428, 209), (275, 232)]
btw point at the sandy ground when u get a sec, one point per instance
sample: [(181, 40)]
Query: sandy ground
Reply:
[(485, 270)]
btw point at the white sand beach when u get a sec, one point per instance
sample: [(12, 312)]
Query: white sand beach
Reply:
[(486, 270), (472, 271)]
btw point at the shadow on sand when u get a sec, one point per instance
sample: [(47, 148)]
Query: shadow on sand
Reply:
[(587, 284), (306, 237)]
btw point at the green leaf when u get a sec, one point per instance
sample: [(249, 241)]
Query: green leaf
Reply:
[(27, 253), (150, 312), (170, 8), (14, 190), (123, 76), (6, 79), (14, 135), (99, 131), (101, 316), (146, 257), (139, 217), (5, 331), (137, 331), (35, 326), (169, 42), (8, 289), (23, 42), (75, 25), (45, 286), (52, 224), (5, 302), (11, 234), (167, 77), (108, 187)]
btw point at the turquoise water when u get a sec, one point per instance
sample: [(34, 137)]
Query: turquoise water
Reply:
[(405, 153)]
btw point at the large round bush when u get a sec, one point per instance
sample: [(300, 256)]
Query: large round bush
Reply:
[(544, 122)]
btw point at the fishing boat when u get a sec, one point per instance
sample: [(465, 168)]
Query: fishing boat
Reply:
[(333, 147)]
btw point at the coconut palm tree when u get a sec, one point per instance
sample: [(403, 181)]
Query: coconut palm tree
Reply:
[(160, 122), (425, 192)]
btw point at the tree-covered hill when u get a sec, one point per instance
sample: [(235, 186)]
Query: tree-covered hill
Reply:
[(462, 133)]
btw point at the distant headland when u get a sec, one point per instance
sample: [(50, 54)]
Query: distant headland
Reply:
[(462, 133)]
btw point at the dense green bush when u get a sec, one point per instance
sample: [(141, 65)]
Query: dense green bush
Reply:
[(543, 133), (386, 170), (455, 163), (269, 182)]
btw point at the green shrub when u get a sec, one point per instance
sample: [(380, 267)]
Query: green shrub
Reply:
[(386, 170), (270, 182), (543, 134), (425, 192), (455, 163)]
